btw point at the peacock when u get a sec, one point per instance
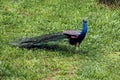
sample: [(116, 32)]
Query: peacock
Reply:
[(75, 37)]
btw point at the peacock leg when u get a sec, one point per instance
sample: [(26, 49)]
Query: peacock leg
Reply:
[(77, 46)]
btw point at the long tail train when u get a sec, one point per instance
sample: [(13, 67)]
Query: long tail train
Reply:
[(36, 41)]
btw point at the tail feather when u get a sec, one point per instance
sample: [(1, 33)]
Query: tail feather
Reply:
[(36, 41)]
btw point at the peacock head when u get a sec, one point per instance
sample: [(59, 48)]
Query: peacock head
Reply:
[(84, 21)]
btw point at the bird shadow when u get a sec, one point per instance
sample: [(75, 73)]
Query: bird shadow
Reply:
[(61, 48), (51, 47)]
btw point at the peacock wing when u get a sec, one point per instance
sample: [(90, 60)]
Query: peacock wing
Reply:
[(71, 33)]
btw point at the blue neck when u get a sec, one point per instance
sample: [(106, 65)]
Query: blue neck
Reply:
[(84, 31)]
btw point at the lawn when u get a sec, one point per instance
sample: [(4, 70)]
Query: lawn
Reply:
[(99, 54)]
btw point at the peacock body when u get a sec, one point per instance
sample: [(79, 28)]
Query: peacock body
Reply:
[(75, 37)]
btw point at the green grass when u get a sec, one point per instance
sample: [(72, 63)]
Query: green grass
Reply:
[(99, 56)]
